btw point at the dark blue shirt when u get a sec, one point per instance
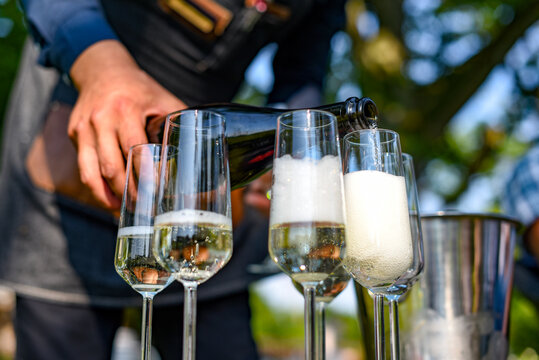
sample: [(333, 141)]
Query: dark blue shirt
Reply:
[(65, 28)]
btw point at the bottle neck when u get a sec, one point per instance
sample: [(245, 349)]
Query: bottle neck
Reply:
[(354, 114), (366, 112)]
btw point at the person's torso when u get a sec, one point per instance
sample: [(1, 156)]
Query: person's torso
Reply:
[(200, 49)]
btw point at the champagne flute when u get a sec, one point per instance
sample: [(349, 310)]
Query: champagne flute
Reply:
[(325, 292), (134, 260), (193, 225), (307, 206), (405, 282), (379, 246)]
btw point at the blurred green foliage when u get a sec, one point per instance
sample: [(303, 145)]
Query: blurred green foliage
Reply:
[(524, 324), (12, 34), (277, 333)]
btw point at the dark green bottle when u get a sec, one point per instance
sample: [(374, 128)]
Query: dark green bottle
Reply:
[(250, 132)]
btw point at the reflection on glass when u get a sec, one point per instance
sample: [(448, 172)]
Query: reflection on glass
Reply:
[(307, 207), (193, 226), (134, 260)]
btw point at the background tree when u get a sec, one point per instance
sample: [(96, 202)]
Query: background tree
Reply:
[(423, 60)]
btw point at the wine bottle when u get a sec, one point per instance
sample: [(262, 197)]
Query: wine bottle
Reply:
[(250, 132)]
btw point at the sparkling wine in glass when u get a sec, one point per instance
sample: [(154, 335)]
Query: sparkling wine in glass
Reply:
[(134, 260), (307, 207), (405, 282), (379, 245), (193, 225)]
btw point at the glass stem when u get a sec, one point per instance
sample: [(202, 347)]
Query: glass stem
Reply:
[(310, 322), (379, 327), (321, 330), (189, 320), (146, 328), (394, 328)]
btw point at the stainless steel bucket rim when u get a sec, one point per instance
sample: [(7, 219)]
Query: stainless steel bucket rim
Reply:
[(468, 216)]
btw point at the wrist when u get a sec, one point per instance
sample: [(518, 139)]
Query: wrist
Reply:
[(101, 59)]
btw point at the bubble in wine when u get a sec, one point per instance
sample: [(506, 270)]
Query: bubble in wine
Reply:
[(190, 216), (378, 237), (307, 190), (135, 230)]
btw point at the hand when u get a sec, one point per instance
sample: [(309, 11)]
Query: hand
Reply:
[(115, 99)]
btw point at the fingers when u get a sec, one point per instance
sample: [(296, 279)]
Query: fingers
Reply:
[(89, 167), (117, 131), (110, 159), (132, 131), (103, 140)]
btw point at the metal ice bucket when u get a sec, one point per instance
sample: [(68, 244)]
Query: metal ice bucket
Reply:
[(459, 309), (462, 300)]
